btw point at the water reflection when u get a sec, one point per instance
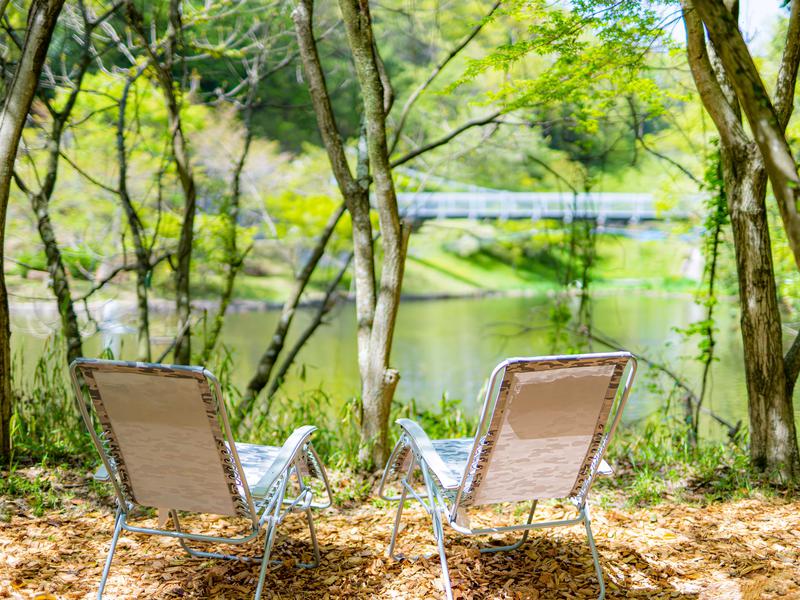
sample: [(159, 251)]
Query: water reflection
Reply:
[(451, 346)]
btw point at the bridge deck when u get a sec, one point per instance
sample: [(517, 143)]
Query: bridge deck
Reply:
[(536, 205)]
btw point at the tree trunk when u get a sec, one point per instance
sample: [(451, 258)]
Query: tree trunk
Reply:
[(234, 260), (772, 429), (162, 59), (379, 381), (773, 440), (354, 192), (183, 308), (143, 258), (59, 281), (42, 17)]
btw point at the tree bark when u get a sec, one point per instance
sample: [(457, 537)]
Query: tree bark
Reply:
[(59, 281), (773, 440), (354, 192), (40, 200), (773, 444), (42, 17), (765, 123), (143, 254), (379, 381)]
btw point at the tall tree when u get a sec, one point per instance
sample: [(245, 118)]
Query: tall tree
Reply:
[(42, 18), (377, 302), (82, 24), (727, 81)]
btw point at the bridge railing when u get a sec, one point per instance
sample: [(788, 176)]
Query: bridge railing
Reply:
[(539, 205)]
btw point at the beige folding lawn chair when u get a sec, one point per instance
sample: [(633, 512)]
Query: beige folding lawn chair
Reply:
[(165, 443), (545, 425)]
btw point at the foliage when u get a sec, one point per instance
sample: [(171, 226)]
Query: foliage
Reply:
[(656, 462), (46, 424)]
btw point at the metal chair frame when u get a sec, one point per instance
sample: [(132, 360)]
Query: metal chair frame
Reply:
[(435, 502), (265, 513)]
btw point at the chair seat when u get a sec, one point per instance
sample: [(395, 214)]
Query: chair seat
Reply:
[(455, 454), (256, 461)]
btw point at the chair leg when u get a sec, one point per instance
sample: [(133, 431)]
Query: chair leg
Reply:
[(396, 528), (438, 532), (120, 519), (595, 556), (262, 574), (314, 543), (517, 544)]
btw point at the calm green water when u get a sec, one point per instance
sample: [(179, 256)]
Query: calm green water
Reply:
[(451, 346)]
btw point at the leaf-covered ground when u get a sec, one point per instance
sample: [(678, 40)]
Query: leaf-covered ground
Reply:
[(742, 549)]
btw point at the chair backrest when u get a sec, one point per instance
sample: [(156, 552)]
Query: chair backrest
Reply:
[(162, 436), (544, 429)]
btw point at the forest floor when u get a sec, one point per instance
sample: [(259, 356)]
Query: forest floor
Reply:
[(745, 548)]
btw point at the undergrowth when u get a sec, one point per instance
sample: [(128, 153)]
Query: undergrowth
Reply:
[(654, 460)]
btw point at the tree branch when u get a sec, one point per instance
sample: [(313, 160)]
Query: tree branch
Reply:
[(436, 70), (768, 130), (787, 74), (724, 116), (125, 267), (325, 306), (791, 364), (302, 15), (445, 138), (86, 175)]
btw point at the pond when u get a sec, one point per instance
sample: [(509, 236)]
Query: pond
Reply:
[(450, 346)]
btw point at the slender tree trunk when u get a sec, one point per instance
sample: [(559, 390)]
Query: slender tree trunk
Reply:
[(143, 258), (355, 192), (42, 17), (163, 66), (234, 259), (380, 380), (183, 308), (59, 281)]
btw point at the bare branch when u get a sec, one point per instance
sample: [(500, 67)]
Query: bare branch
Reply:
[(326, 305), (318, 90), (724, 116), (433, 74), (445, 138), (86, 175), (114, 272)]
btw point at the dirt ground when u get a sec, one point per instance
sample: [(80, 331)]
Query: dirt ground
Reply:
[(743, 549)]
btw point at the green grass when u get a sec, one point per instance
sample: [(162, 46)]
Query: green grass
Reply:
[(37, 491), (446, 258), (655, 463)]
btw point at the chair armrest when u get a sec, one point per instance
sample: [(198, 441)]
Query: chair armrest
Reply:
[(423, 445), (101, 474), (283, 460)]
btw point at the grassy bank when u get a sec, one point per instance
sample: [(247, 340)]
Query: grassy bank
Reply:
[(445, 258)]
